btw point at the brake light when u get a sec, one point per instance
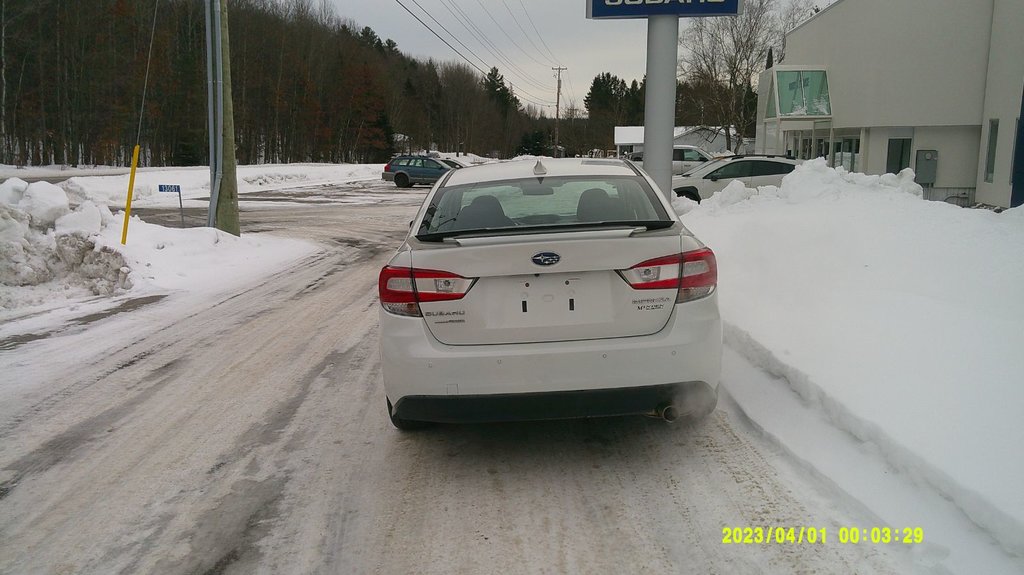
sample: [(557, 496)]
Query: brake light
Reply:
[(694, 274), (387, 167), (402, 290)]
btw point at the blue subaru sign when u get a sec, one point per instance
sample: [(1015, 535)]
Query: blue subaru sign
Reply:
[(645, 8)]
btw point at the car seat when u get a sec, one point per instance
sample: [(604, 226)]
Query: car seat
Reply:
[(483, 212), (595, 205)]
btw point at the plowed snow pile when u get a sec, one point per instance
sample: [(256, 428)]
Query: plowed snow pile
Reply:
[(51, 252), (44, 243), (901, 319)]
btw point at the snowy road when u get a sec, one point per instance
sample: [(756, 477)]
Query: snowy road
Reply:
[(251, 437)]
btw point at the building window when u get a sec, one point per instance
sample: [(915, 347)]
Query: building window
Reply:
[(899, 155), (848, 154), (990, 161), (803, 93), (770, 112)]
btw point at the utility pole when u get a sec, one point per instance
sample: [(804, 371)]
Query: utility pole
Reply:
[(223, 212), (558, 104)]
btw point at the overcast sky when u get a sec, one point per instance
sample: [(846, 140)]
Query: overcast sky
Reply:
[(586, 47)]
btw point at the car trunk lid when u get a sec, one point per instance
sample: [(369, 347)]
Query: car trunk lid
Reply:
[(548, 287)]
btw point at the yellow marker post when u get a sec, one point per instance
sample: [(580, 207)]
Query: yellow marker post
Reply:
[(131, 187)]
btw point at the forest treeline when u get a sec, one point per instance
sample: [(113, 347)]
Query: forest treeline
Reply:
[(308, 86)]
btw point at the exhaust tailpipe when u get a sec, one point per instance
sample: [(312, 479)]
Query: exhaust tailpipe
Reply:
[(667, 412)]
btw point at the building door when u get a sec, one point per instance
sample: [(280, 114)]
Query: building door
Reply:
[(899, 155)]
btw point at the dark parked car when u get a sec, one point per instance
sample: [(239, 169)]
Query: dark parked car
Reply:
[(405, 171)]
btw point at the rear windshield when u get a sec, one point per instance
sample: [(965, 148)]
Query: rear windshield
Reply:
[(539, 204)]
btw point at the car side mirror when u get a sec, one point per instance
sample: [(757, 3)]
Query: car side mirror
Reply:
[(410, 223), (713, 178)]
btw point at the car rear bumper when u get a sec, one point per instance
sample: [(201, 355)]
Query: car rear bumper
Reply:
[(695, 398), (443, 378), (387, 176)]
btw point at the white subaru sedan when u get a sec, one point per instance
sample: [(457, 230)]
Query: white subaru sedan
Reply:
[(546, 290)]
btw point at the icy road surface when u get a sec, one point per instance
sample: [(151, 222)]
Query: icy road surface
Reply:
[(250, 437)]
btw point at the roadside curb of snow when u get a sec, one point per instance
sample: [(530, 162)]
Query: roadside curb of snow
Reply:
[(1004, 529)]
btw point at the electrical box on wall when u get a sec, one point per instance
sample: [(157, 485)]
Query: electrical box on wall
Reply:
[(926, 167)]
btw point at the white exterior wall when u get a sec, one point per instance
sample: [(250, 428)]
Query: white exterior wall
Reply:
[(877, 140), (936, 71), (958, 148), (1002, 99), (904, 63), (765, 136)]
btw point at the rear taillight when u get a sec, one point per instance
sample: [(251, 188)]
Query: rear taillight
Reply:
[(402, 290), (694, 274), (387, 167), (700, 275)]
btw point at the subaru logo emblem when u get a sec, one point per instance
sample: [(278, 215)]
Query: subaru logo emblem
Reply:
[(547, 259)]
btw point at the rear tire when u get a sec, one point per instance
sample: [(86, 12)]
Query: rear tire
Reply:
[(402, 181), (404, 424)]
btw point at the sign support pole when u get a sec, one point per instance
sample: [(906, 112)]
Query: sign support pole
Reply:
[(662, 54), (660, 104)]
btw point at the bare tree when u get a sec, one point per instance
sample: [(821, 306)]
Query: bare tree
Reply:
[(794, 13), (722, 56)]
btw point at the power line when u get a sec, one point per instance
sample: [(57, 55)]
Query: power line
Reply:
[(440, 38), (530, 18), (461, 55), (481, 37), (468, 49), (149, 60), (467, 24), (568, 78), (464, 19), (507, 35), (523, 30)]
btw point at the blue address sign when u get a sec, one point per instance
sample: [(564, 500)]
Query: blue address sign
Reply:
[(645, 8)]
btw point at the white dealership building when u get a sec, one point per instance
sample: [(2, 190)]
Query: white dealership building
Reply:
[(881, 85)]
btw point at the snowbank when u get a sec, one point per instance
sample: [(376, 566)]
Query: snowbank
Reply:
[(898, 318), (195, 182), (466, 159), (50, 253), (43, 242)]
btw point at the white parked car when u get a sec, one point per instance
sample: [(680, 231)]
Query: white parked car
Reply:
[(684, 158), (702, 182), (545, 290)]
